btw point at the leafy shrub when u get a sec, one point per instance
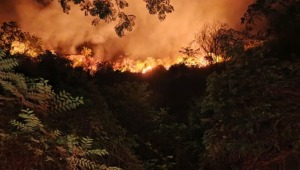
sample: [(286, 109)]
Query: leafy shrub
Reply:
[(37, 146), (250, 114)]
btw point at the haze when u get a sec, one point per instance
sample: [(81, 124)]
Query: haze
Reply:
[(150, 37)]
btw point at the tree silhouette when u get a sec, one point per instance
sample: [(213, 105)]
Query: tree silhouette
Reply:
[(110, 10), (282, 20), (270, 9), (15, 41)]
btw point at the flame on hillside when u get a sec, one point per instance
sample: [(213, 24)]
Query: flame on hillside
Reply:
[(18, 47), (123, 64), (88, 62), (137, 66)]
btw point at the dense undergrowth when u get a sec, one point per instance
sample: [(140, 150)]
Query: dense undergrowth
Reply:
[(239, 114)]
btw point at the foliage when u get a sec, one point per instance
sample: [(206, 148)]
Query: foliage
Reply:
[(15, 41), (250, 116), (273, 8), (130, 102), (208, 39), (36, 94), (233, 43), (161, 7), (247, 119), (46, 148), (218, 43), (94, 118), (41, 147), (126, 23), (281, 22), (190, 51), (63, 101), (110, 10)]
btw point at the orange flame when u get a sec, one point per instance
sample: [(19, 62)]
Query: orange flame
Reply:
[(18, 47), (90, 63), (138, 66)]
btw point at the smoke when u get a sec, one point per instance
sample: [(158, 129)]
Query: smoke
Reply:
[(150, 37)]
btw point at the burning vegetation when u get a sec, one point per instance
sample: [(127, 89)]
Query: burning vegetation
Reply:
[(125, 64), (213, 44), (221, 97)]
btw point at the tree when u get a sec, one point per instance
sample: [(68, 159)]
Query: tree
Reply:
[(110, 10), (233, 43), (282, 24), (214, 41), (249, 114), (205, 42), (218, 43), (13, 40), (273, 11), (208, 38), (130, 101)]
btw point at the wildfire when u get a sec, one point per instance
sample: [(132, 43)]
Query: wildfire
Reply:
[(137, 66), (145, 70), (18, 47), (90, 63)]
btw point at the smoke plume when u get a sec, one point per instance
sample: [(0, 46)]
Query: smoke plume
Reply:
[(150, 37)]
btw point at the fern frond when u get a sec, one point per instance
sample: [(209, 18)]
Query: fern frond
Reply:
[(63, 101), (21, 126), (56, 134), (71, 142), (8, 64), (38, 97), (34, 93), (86, 143), (16, 79), (2, 54), (45, 143), (40, 86), (84, 163), (98, 152), (31, 122), (7, 86), (113, 168)]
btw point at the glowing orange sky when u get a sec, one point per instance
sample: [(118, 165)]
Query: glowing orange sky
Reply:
[(150, 37)]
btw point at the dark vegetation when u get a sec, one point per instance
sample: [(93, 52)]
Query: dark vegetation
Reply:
[(108, 11), (239, 114)]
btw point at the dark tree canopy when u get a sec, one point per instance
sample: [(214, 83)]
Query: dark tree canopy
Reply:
[(111, 10), (282, 23), (275, 11)]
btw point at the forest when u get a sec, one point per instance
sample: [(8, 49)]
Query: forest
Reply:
[(230, 103)]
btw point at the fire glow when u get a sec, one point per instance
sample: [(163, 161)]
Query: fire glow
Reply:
[(18, 47), (124, 64), (137, 66), (148, 38)]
